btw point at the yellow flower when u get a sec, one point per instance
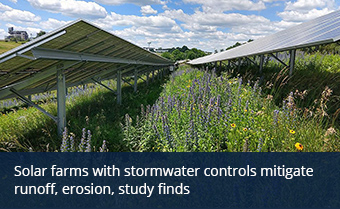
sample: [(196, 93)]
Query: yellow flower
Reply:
[(299, 146), (233, 125), (245, 129), (188, 86), (292, 131), (245, 110)]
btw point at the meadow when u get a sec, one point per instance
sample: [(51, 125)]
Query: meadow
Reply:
[(193, 111), (6, 46)]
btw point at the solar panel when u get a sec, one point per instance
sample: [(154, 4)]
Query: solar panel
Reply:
[(322, 30), (75, 54), (96, 50)]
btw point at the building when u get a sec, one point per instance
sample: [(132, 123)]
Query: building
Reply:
[(20, 35)]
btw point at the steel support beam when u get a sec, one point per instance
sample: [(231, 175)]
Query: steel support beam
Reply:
[(30, 103), (252, 61), (292, 61), (61, 101), (42, 53), (135, 78), (103, 85), (125, 81), (261, 62), (271, 54), (140, 77), (147, 77), (119, 87)]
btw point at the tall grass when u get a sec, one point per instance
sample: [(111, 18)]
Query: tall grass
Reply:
[(199, 111), (314, 76), (93, 108)]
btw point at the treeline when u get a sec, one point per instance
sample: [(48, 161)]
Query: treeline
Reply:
[(183, 53)]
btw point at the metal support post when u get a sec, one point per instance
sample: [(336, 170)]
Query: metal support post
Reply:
[(61, 101), (135, 80), (239, 65), (292, 61), (147, 78), (153, 75), (261, 62), (119, 87)]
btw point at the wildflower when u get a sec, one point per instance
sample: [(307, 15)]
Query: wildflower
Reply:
[(245, 129), (233, 125), (292, 131), (245, 110), (299, 146)]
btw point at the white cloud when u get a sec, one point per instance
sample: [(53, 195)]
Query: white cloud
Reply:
[(52, 24), (3, 33), (296, 16), (4, 8), (202, 21), (14, 1), (72, 8), (220, 6), (306, 5), (156, 23), (147, 10), (137, 2), (9, 14)]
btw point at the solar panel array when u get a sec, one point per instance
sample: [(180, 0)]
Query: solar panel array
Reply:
[(83, 49), (322, 30)]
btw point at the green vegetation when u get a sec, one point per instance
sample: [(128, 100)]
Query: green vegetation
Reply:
[(315, 83), (199, 111), (8, 45), (194, 111), (94, 108), (176, 54)]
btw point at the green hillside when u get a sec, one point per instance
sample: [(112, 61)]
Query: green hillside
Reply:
[(6, 46)]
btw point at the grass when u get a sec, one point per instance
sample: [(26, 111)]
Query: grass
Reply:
[(6, 46), (95, 109)]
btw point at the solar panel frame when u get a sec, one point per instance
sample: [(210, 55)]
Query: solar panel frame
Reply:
[(322, 30), (78, 37)]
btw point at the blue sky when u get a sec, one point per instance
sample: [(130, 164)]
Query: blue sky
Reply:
[(204, 24)]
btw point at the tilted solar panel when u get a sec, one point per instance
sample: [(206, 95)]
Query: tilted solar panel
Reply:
[(322, 30), (86, 50)]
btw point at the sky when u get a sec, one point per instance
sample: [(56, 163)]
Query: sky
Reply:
[(204, 24)]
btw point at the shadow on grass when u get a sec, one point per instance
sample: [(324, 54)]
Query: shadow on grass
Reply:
[(98, 113)]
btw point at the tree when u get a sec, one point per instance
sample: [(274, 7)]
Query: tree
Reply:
[(191, 55), (178, 55), (167, 55), (40, 33)]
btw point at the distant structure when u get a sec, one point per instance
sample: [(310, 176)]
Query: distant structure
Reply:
[(20, 35), (159, 50)]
